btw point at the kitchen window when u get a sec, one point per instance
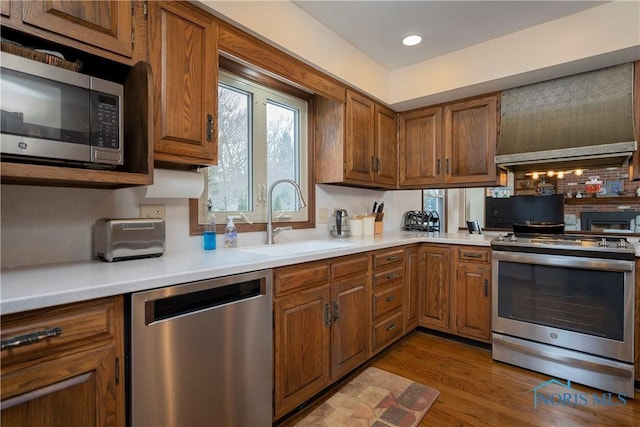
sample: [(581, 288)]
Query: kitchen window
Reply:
[(262, 138), (434, 201)]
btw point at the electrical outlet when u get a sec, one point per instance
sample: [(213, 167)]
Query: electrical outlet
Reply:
[(152, 211), (323, 215)]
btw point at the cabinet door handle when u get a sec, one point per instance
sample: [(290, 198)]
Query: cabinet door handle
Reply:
[(392, 276), (446, 166), (377, 164), (327, 315), (30, 338), (472, 255), (391, 327), (391, 298), (336, 311), (486, 287), (209, 127), (373, 164), (392, 258), (438, 167)]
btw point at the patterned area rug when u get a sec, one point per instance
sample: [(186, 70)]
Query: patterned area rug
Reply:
[(374, 398)]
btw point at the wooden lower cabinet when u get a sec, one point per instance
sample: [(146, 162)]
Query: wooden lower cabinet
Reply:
[(455, 295), (387, 299), (435, 290), (74, 378), (320, 332), (472, 299), (301, 348), (637, 323), (413, 261)]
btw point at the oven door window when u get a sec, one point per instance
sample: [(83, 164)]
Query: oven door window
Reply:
[(575, 299)]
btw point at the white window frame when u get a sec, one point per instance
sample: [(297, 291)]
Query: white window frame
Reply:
[(258, 173)]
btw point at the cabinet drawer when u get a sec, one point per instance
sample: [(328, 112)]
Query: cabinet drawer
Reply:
[(386, 299), (349, 266), (301, 276), (387, 276), (386, 257), (57, 329), (387, 331), (473, 254)]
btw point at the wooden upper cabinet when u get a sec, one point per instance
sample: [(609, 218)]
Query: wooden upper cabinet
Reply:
[(451, 145), (359, 144), (184, 58), (421, 147), (470, 141), (355, 142), (386, 148), (105, 25)]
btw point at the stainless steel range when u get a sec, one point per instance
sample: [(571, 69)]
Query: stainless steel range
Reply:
[(563, 305)]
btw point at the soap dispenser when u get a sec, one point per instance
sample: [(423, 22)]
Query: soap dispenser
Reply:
[(209, 234), (230, 234)]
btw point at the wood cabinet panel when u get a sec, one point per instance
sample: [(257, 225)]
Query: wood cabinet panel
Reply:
[(470, 141), (473, 301), (353, 140), (386, 331), (72, 379), (385, 257), (435, 294), (350, 337), (452, 145), (359, 133), (387, 299), (381, 278), (300, 277), (386, 146), (414, 266), (184, 58), (301, 346), (420, 143), (349, 266)]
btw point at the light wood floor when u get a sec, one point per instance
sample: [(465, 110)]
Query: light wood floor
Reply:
[(477, 391)]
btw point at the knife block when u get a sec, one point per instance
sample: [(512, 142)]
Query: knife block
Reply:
[(377, 229)]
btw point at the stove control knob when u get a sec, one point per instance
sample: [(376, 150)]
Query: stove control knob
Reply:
[(622, 243), (603, 242), (513, 238), (500, 238)]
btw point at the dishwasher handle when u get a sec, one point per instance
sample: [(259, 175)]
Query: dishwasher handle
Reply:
[(184, 304)]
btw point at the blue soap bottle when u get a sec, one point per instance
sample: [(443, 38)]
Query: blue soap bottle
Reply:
[(209, 235)]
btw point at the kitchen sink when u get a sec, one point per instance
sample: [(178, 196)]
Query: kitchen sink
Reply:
[(284, 249)]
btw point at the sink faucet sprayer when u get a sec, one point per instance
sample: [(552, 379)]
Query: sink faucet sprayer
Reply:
[(270, 231)]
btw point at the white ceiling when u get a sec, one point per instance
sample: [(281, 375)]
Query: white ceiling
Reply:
[(378, 27)]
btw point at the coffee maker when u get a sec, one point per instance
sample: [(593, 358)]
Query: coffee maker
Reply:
[(339, 223)]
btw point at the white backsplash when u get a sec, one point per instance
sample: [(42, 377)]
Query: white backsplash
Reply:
[(50, 224)]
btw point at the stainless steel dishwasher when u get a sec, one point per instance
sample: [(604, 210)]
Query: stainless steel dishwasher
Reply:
[(200, 354)]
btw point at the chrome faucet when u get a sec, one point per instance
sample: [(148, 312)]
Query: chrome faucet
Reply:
[(270, 231)]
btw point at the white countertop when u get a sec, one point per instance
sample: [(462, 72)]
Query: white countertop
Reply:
[(32, 287)]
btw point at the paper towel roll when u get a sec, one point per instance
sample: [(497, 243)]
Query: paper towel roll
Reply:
[(175, 184)]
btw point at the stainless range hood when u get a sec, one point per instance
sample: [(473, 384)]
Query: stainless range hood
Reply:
[(580, 121)]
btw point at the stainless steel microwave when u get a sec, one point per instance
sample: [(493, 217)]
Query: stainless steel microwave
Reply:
[(54, 115)]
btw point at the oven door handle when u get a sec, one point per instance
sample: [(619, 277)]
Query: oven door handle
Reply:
[(565, 261)]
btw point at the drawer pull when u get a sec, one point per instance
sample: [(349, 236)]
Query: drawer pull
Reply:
[(392, 258), (392, 276), (30, 338), (391, 327), (392, 298), (472, 255)]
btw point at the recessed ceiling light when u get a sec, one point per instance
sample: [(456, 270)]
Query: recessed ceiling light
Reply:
[(411, 40)]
